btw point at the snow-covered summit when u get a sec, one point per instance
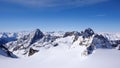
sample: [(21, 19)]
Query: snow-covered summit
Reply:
[(27, 44)]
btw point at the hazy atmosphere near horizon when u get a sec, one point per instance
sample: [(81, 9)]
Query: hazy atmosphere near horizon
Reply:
[(60, 15)]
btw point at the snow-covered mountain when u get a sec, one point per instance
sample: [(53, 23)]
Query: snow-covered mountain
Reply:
[(24, 44)]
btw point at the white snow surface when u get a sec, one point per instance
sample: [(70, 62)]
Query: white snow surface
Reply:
[(60, 57)]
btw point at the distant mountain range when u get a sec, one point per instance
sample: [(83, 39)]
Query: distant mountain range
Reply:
[(28, 43)]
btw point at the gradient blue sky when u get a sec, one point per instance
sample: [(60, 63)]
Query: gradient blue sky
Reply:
[(60, 15)]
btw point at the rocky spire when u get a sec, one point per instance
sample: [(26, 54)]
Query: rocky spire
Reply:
[(87, 33), (37, 34)]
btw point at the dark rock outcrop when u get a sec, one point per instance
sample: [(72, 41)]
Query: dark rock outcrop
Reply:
[(71, 33), (87, 33), (37, 35), (32, 51), (6, 52), (99, 41), (90, 49), (119, 47), (56, 44), (115, 43)]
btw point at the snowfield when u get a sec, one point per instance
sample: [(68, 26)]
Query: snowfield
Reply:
[(85, 49), (70, 58)]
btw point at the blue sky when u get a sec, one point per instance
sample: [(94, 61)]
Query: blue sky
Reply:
[(60, 15)]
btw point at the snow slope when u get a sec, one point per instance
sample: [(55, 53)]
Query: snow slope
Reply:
[(57, 58)]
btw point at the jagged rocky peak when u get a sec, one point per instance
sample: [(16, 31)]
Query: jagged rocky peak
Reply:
[(71, 33), (99, 41), (36, 35), (26, 43), (87, 33)]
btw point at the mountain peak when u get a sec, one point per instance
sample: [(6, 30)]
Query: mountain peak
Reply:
[(37, 30), (87, 33), (89, 30), (36, 35)]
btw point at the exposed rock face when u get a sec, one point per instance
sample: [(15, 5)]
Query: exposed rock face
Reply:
[(36, 36), (97, 41), (75, 33), (56, 44), (6, 52), (49, 38), (25, 42), (101, 42), (71, 33), (119, 47), (87, 33), (32, 51), (90, 49), (115, 43)]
